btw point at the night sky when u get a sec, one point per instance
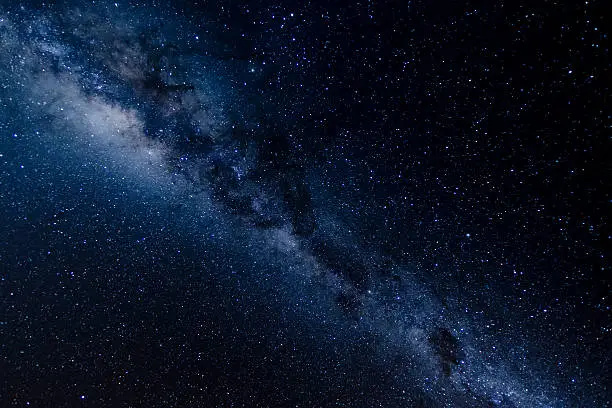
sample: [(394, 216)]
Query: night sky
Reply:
[(305, 204)]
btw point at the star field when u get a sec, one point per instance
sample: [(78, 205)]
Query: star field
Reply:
[(395, 204)]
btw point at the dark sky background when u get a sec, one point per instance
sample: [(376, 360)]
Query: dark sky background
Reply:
[(314, 204)]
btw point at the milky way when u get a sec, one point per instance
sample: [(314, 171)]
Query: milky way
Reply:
[(277, 205)]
